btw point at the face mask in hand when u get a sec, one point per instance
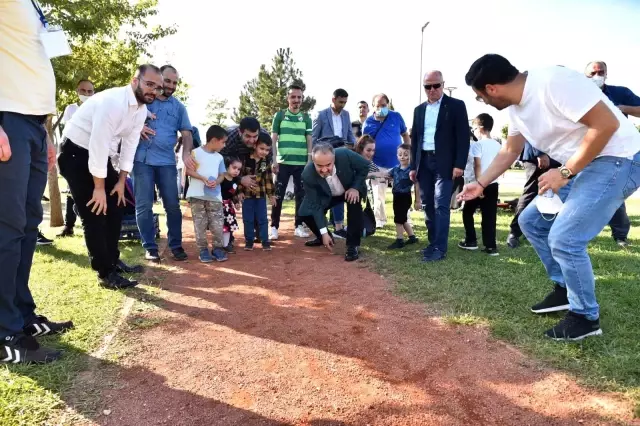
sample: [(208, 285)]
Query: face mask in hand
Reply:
[(549, 203), (382, 112), (598, 80), (83, 98)]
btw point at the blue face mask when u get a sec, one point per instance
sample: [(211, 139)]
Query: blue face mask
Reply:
[(383, 112)]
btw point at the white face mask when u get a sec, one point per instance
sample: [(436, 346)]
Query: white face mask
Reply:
[(549, 203), (83, 98), (598, 80)]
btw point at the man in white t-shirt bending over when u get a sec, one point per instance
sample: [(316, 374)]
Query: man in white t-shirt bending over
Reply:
[(560, 112)]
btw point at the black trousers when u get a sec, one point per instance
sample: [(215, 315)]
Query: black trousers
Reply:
[(101, 232), (70, 214), (354, 221), (489, 209), (285, 172)]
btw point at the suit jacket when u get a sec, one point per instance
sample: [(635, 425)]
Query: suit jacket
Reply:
[(451, 138), (323, 127), (530, 155), (352, 170)]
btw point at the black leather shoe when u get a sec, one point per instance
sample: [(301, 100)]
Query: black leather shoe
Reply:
[(179, 254), (114, 281), (123, 268), (314, 243), (351, 254)]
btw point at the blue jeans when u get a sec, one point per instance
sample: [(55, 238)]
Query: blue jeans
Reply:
[(620, 224), (435, 193), (255, 210), (22, 182), (145, 177), (590, 200)]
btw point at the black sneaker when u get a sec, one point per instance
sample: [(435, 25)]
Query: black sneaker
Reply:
[(152, 255), (66, 232), (467, 245), (491, 251), (41, 326), (513, 241), (266, 246), (622, 242), (397, 244), (574, 327), (351, 254), (114, 281), (411, 240), (317, 242), (42, 240), (342, 233), (555, 301), (179, 254), (22, 349), (248, 246), (123, 268), (229, 249)]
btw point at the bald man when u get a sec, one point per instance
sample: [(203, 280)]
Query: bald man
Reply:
[(439, 149), (629, 104)]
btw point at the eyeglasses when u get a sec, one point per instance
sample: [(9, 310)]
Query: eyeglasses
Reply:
[(601, 73), (432, 86), (151, 85)]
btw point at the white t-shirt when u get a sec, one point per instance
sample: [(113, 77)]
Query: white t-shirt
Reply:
[(553, 102), (486, 150), (28, 84), (210, 165), (469, 173)]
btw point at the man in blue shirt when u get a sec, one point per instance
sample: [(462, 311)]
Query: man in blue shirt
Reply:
[(155, 164), (389, 131), (629, 104)]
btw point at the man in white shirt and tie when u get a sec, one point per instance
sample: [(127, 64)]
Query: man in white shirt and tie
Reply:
[(89, 139)]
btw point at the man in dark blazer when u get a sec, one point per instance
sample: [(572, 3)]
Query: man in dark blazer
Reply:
[(333, 177), (439, 149)]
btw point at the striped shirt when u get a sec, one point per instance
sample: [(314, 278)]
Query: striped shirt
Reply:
[(292, 130)]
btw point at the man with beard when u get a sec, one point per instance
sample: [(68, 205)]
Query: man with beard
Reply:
[(564, 115), (90, 138), (155, 164)]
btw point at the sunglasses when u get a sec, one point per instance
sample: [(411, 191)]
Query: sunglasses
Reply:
[(432, 86)]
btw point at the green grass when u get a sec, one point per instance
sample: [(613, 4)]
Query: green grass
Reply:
[(64, 287), (470, 288)]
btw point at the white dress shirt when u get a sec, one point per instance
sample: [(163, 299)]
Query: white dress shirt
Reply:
[(430, 121), (336, 190), (102, 122), (68, 112), (337, 124)]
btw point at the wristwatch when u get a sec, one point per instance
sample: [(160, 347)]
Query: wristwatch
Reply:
[(566, 173)]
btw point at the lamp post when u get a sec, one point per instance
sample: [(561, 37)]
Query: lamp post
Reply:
[(450, 89), (421, 44)]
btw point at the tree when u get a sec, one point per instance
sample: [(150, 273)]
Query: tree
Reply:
[(266, 94), (504, 132), (217, 112), (638, 127), (98, 54), (391, 105)]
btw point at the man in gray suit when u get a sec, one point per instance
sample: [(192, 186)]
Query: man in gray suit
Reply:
[(333, 125)]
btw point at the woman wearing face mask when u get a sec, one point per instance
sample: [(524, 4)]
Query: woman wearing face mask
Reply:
[(389, 131), (85, 90)]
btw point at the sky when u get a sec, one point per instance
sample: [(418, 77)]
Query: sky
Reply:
[(367, 47)]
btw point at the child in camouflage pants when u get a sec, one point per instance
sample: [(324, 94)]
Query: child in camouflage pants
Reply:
[(205, 196)]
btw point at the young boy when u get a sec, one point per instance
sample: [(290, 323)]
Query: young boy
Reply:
[(401, 190), (205, 196), (483, 151), (254, 205)]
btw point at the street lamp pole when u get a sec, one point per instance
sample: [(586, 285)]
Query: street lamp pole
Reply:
[(421, 49)]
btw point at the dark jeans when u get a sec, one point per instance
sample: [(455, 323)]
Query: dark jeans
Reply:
[(620, 224), (70, 214), (435, 193), (101, 232), (22, 182), (529, 192), (354, 219), (284, 173), (255, 210), (489, 209)]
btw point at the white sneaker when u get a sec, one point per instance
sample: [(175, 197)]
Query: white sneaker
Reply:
[(274, 233), (300, 232)]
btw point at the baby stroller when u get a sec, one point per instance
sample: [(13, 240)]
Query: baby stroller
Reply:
[(129, 230)]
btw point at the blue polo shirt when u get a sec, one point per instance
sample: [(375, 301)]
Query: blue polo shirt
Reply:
[(620, 95), (171, 117), (388, 138)]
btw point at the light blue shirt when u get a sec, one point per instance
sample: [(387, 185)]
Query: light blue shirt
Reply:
[(430, 121), (210, 165)]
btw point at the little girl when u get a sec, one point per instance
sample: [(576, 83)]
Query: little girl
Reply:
[(231, 200)]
